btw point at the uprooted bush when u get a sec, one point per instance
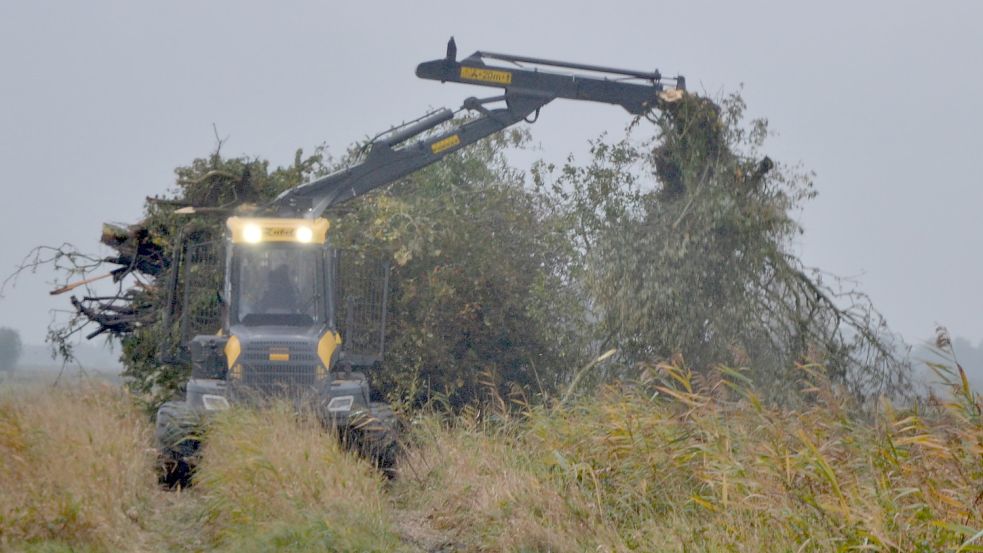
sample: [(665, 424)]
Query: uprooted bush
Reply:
[(684, 233)]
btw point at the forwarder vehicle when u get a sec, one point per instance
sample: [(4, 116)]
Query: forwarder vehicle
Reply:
[(302, 320)]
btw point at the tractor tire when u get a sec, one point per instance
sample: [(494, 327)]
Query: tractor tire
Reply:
[(374, 436), (178, 432)]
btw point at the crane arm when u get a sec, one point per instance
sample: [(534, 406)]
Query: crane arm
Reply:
[(386, 163), (526, 91), (636, 91)]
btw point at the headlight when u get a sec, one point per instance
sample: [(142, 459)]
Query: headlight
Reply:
[(214, 403), (341, 404), (304, 235), (252, 234)]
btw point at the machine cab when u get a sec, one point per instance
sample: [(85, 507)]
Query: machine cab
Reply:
[(287, 300), (279, 315), (278, 273)]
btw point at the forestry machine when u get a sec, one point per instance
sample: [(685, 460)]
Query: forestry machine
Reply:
[(295, 322)]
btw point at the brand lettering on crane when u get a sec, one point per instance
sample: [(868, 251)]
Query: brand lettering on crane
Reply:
[(445, 144), (486, 75)]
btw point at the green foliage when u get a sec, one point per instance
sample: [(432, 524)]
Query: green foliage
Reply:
[(476, 295), (10, 348), (315, 534), (477, 285), (696, 261)]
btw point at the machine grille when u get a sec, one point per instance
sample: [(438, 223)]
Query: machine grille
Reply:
[(279, 379), (293, 378)]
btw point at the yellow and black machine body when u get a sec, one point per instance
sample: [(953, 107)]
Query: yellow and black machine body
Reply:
[(295, 322), (280, 331)]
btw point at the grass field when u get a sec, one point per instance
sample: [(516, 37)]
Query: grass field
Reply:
[(675, 463)]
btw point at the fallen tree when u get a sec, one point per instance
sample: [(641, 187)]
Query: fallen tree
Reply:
[(684, 248)]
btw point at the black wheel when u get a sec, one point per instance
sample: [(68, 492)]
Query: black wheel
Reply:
[(178, 439), (373, 434)]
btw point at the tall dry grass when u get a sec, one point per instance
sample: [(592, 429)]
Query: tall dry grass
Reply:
[(77, 473), (675, 462), (274, 480), (76, 468), (484, 489), (681, 463)]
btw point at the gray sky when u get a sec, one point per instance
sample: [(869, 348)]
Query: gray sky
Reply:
[(99, 101)]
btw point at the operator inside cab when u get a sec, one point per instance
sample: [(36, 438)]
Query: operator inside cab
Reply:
[(279, 284), (281, 295)]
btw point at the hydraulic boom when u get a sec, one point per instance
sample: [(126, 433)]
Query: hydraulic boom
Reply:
[(526, 90)]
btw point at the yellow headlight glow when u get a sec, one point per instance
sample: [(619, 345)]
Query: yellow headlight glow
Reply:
[(252, 234), (264, 230), (304, 235)]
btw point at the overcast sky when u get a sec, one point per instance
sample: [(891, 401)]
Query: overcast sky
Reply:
[(99, 101)]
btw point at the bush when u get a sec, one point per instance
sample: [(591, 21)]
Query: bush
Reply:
[(478, 294)]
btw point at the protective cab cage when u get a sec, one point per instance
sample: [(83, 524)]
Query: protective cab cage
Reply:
[(196, 303)]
